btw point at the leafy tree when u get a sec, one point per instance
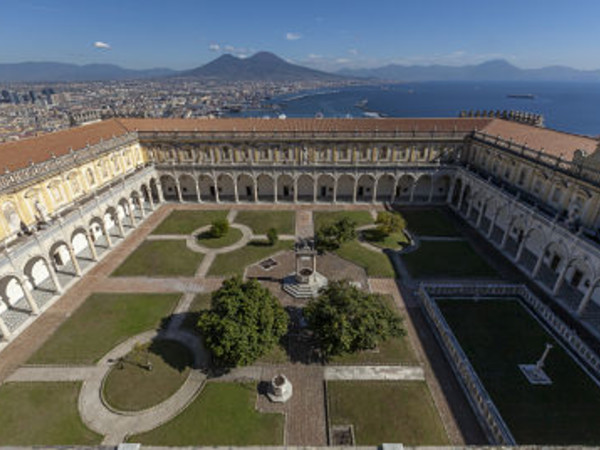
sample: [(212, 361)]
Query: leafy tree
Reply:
[(345, 319), (390, 222), (272, 236), (245, 322), (332, 236), (219, 228)]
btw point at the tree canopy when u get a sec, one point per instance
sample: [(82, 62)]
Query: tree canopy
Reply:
[(390, 222), (219, 228), (272, 236), (345, 319), (331, 236), (245, 322)]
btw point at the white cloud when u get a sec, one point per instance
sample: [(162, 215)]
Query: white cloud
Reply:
[(342, 61), (291, 36), (240, 52), (314, 56), (102, 45), (353, 51)]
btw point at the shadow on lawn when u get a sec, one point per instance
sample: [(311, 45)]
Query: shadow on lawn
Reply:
[(173, 353)]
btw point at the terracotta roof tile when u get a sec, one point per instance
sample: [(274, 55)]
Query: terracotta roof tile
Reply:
[(317, 125), (20, 154), (555, 143)]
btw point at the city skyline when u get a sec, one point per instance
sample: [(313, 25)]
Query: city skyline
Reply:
[(328, 36)]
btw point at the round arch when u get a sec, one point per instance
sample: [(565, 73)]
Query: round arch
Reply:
[(441, 187), (285, 188), (404, 187), (206, 184), (325, 187), (187, 184), (385, 187), (422, 189), (365, 188), (265, 187), (245, 188), (169, 188), (345, 188), (305, 185)]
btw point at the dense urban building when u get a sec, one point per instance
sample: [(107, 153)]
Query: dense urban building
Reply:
[(67, 197)]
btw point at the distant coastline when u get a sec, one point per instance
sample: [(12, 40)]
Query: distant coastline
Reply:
[(571, 107)]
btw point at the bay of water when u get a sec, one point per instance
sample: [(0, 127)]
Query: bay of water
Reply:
[(570, 107)]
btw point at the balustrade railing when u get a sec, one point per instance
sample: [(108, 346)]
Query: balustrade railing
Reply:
[(542, 311), (571, 168), (485, 409)]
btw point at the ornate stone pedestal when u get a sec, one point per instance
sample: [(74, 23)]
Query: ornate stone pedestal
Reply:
[(280, 389), (306, 282)]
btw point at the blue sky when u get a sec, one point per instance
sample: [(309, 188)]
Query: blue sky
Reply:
[(325, 34)]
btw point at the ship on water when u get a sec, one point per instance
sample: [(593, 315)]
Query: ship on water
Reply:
[(362, 104), (523, 96)]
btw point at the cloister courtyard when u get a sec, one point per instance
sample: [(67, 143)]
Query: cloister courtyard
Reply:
[(79, 373)]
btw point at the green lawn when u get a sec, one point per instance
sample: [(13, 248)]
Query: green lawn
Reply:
[(395, 241), (386, 411), (278, 355), (234, 263), (497, 336), (42, 414), (430, 222), (222, 415), (361, 218), (447, 259), (390, 352), (102, 322), (130, 386), (376, 264), (160, 259), (231, 237), (260, 221), (185, 222), (200, 303)]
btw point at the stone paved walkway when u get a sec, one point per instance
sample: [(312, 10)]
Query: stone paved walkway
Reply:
[(305, 412), (364, 373), (305, 228)]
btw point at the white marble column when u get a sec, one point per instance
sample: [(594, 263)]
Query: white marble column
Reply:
[(505, 236), (6, 334), (560, 280), (91, 246), (74, 261), (586, 299), (538, 265), (35, 310), (54, 278), (521, 249), (198, 196)]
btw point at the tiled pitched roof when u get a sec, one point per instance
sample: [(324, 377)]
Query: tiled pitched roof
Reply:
[(316, 125), (20, 154), (555, 143)]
